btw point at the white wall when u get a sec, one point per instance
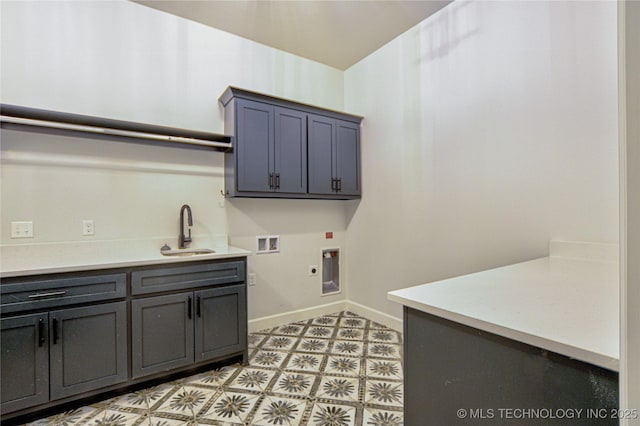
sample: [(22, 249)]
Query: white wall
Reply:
[(122, 60), (629, 33), (491, 127)]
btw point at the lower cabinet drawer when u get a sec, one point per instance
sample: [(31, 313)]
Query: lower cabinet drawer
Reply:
[(46, 293), (188, 276)]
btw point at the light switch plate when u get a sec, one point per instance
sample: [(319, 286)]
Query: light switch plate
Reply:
[(22, 229)]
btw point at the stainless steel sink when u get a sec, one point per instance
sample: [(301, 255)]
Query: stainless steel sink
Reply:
[(186, 252)]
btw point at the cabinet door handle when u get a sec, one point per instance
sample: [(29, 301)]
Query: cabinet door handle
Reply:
[(189, 308), (339, 181), (270, 180), (198, 313), (51, 294), (55, 330), (277, 180), (333, 184), (41, 332)]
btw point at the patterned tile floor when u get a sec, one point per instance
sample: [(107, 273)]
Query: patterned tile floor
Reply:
[(335, 370)]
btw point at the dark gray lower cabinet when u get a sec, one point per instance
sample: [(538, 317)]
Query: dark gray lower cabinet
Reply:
[(175, 330), (81, 334), (48, 356), (456, 374), (218, 328), (88, 348), (161, 333), (24, 363)]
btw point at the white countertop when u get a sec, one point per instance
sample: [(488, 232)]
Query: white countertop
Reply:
[(566, 303), (46, 258)]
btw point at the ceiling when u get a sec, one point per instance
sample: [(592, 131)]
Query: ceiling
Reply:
[(337, 33)]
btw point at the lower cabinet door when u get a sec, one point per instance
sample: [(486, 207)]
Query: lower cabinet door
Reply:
[(162, 333), (88, 348), (221, 325), (24, 362)]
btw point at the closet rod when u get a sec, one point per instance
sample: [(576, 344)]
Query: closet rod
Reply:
[(113, 132)]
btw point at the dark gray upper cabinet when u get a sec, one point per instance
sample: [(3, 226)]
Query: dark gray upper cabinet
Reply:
[(24, 363), (254, 156), (286, 149), (334, 156), (322, 142), (290, 151), (272, 154), (347, 159)]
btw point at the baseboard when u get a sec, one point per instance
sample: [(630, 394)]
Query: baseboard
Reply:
[(268, 322), (375, 315), (264, 323)]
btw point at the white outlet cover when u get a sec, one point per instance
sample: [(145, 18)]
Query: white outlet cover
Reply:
[(313, 270), (87, 227)]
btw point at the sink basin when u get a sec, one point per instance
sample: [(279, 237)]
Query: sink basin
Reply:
[(186, 252)]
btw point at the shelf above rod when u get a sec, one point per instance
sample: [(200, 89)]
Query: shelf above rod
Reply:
[(103, 126)]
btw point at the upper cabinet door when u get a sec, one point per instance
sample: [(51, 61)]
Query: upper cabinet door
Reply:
[(348, 158), (322, 135), (290, 171), (254, 146)]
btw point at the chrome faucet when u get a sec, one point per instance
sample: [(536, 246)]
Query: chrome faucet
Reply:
[(182, 240)]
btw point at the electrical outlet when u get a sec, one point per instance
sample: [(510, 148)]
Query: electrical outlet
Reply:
[(87, 227), (313, 270), (252, 278), (22, 229)]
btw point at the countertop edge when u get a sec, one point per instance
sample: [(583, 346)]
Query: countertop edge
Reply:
[(585, 355), (233, 252)]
